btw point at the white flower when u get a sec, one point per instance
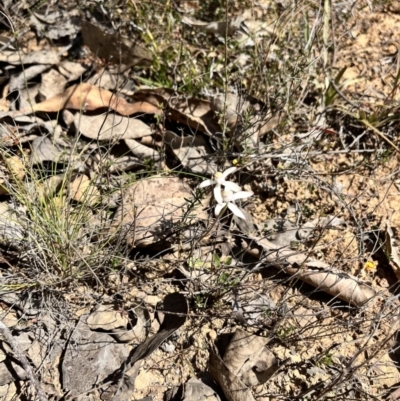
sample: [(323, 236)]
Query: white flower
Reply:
[(220, 181), (228, 197)]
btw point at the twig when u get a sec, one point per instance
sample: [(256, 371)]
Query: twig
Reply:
[(379, 133), (309, 154), (5, 331)]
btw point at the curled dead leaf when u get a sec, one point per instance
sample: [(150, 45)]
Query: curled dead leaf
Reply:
[(314, 272)]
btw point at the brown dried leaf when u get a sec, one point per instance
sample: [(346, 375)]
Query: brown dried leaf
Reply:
[(83, 190), (193, 112), (120, 325), (89, 98), (110, 127), (316, 273), (37, 57), (142, 151)]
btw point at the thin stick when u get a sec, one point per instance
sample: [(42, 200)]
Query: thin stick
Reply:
[(379, 133), (5, 331)]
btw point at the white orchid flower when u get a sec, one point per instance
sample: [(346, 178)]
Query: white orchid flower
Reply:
[(219, 180), (228, 197)]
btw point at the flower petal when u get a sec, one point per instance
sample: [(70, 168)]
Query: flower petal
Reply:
[(240, 195), (206, 183), (218, 208), (228, 171), (232, 186), (218, 194), (236, 211)]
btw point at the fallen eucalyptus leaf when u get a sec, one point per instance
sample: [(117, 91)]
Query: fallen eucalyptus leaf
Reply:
[(82, 190), (89, 98), (142, 151), (131, 325), (36, 57), (314, 272), (110, 127)]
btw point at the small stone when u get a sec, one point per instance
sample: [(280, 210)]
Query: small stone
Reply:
[(212, 334)]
